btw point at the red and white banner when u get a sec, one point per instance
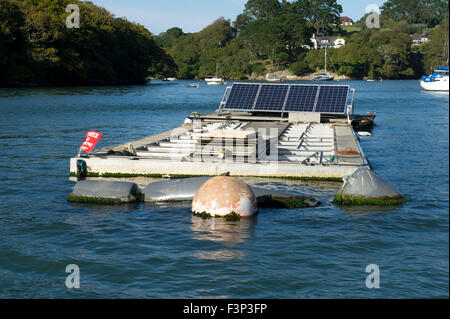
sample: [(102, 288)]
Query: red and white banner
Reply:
[(90, 141)]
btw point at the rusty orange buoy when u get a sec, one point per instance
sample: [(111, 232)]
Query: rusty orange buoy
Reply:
[(224, 195)]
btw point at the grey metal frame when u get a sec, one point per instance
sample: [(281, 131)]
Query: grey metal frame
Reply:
[(317, 99), (256, 98)]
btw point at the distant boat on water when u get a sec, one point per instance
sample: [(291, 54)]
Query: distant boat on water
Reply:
[(196, 86), (215, 80), (274, 78), (323, 76)]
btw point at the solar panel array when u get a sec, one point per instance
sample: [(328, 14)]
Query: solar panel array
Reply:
[(331, 99), (271, 98), (242, 96), (255, 97), (302, 98)]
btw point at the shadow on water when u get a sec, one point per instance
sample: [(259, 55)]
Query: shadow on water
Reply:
[(104, 209), (369, 210), (221, 230)]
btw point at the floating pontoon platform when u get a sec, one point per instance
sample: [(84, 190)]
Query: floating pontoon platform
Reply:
[(263, 130)]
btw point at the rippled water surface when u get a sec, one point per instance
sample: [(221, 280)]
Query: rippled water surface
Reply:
[(161, 251)]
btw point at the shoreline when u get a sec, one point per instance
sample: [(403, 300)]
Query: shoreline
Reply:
[(251, 78), (94, 83)]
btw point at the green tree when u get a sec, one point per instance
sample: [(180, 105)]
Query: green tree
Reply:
[(196, 54), (430, 12), (436, 52), (262, 9), (168, 38), (279, 40), (186, 55), (104, 50), (242, 21), (320, 13), (294, 34), (13, 45), (300, 67)]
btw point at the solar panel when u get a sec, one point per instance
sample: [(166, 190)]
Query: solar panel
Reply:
[(271, 97), (301, 98), (332, 99), (254, 97), (242, 96)]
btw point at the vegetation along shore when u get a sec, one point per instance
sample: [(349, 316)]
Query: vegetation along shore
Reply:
[(270, 38)]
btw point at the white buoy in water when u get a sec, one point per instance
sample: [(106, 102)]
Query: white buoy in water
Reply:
[(223, 195), (364, 134)]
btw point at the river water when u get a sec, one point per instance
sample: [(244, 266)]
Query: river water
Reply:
[(161, 251)]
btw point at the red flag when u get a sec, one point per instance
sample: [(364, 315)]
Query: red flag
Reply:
[(90, 141)]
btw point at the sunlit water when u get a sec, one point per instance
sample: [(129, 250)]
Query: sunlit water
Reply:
[(161, 251)]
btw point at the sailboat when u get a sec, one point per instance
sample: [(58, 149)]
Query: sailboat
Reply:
[(324, 76), (215, 80), (439, 79)]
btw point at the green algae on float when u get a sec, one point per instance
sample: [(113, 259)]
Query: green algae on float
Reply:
[(104, 201), (179, 176), (372, 201), (364, 187), (105, 192), (95, 200), (229, 217), (126, 175)]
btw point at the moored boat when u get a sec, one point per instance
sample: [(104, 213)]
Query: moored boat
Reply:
[(323, 77), (363, 122), (215, 80), (438, 81), (273, 78)]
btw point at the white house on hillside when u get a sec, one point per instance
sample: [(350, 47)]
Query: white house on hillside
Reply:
[(418, 39), (346, 21), (322, 42)]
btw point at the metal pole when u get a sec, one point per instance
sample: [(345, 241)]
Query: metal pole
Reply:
[(353, 100)]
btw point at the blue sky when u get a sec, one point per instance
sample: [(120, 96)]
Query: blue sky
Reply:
[(193, 15)]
